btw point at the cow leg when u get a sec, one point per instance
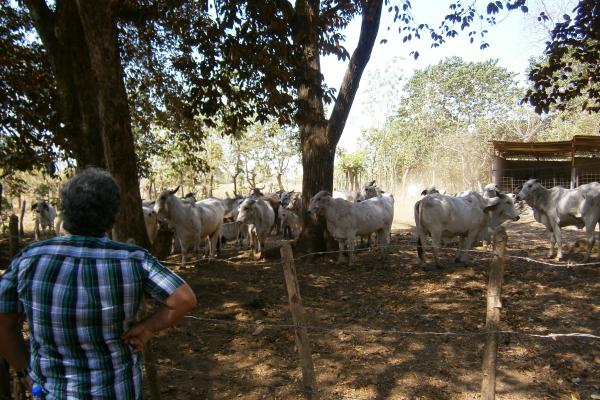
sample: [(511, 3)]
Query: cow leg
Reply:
[(552, 243), (350, 251), (436, 241), (459, 250), (591, 237), (467, 245), (342, 247), (558, 237)]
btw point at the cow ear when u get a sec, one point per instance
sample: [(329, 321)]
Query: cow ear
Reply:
[(424, 192), (33, 206)]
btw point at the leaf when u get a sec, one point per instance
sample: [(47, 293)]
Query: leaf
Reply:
[(492, 8)]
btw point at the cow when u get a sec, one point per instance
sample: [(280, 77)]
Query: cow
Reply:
[(151, 222), (346, 220), (45, 214), (295, 203), (258, 217), (559, 207), (291, 225), (192, 223), (371, 190), (274, 202), (470, 217)]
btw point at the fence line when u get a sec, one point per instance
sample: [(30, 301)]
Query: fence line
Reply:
[(568, 264), (393, 331)]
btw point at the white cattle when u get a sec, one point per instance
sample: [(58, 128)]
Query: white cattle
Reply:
[(192, 223), (211, 212), (291, 225), (258, 217), (470, 216), (45, 214), (151, 222), (347, 220), (558, 207), (274, 202)]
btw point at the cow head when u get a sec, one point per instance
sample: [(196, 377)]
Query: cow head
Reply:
[(161, 205), (501, 208), (40, 206), (429, 190), (246, 210), (491, 190), (318, 202), (528, 189)]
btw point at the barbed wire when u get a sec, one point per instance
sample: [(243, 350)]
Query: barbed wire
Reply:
[(206, 261), (394, 331)]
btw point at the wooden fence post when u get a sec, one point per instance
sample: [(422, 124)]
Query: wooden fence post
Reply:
[(21, 230), (301, 335), (13, 232), (492, 318)]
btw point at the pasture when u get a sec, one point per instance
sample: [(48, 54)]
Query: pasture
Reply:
[(371, 327)]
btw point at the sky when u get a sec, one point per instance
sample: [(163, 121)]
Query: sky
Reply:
[(513, 41)]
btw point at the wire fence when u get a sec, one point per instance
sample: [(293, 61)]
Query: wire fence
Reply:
[(335, 330)]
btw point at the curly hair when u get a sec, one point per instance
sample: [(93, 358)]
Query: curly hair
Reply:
[(90, 202)]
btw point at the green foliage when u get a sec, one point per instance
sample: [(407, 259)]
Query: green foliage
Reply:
[(571, 69), (449, 112), (29, 120)]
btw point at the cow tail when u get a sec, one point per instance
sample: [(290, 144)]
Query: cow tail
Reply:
[(418, 215)]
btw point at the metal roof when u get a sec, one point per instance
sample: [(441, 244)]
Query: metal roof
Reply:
[(578, 146)]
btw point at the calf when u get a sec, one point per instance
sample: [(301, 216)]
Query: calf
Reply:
[(558, 207), (291, 225), (258, 217), (346, 220)]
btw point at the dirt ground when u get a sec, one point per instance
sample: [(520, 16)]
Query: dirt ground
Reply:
[(386, 331)]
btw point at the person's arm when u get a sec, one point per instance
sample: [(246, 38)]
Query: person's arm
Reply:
[(12, 345), (168, 314)]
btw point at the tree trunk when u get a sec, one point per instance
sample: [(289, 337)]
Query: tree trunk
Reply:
[(80, 38), (319, 137), (100, 29)]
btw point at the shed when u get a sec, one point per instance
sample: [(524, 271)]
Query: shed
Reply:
[(567, 163)]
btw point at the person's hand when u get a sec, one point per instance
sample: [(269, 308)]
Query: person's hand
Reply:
[(137, 336), (27, 383)]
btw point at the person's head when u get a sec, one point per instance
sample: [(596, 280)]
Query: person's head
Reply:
[(90, 202)]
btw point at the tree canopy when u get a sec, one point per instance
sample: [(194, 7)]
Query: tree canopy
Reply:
[(572, 68)]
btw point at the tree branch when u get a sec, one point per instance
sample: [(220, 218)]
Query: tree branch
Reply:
[(368, 33), (43, 19)]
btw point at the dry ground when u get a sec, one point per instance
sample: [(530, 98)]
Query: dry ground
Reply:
[(366, 324)]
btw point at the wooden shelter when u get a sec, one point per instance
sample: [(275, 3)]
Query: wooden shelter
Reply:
[(568, 163)]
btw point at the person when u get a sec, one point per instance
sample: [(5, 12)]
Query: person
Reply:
[(80, 294)]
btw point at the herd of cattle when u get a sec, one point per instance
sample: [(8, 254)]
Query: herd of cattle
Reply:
[(350, 215)]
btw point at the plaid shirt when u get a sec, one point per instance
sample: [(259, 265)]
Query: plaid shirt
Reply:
[(80, 294)]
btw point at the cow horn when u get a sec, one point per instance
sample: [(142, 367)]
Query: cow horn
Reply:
[(174, 190)]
